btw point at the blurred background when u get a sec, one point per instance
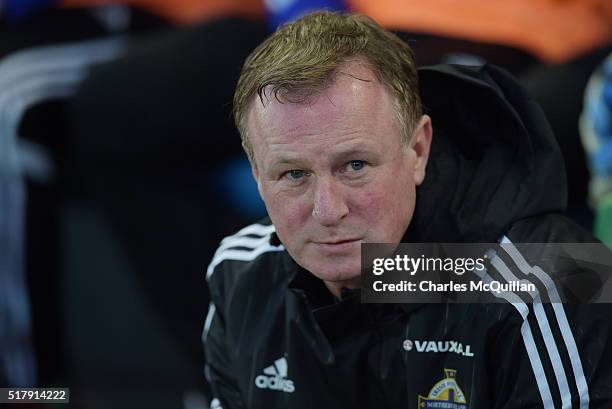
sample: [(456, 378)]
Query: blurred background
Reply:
[(121, 170)]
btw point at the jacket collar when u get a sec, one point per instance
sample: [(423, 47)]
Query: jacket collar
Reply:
[(319, 299)]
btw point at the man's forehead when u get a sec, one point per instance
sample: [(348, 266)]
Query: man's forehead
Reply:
[(355, 89)]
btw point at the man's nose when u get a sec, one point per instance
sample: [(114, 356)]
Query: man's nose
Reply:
[(329, 205)]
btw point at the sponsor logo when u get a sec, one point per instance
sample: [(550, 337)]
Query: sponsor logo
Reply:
[(275, 377), (438, 346), (445, 394)]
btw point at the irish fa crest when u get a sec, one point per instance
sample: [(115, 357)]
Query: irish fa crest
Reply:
[(445, 394)]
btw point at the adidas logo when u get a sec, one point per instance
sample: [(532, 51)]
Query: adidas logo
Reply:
[(275, 377)]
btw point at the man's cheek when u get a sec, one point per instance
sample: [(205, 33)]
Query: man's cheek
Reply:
[(371, 204), (290, 215)]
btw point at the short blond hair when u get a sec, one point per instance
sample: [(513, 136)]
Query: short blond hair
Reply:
[(302, 58)]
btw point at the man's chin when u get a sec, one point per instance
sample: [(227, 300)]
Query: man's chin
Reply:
[(331, 267), (335, 273)]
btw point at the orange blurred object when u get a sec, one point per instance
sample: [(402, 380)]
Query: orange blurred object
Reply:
[(184, 11), (552, 30)]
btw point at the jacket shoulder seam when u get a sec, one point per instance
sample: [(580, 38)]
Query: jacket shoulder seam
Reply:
[(246, 245)]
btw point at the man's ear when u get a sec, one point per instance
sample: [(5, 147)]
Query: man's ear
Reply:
[(421, 144)]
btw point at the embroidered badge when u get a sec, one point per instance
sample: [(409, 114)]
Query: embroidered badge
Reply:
[(445, 394)]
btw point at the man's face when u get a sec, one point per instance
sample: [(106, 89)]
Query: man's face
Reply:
[(334, 173)]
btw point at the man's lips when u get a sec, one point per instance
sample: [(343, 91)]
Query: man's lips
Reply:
[(335, 246), (337, 241)]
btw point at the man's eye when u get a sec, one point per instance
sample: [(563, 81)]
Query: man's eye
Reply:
[(295, 174), (355, 165)]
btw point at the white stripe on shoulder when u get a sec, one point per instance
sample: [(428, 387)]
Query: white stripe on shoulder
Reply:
[(530, 346), (208, 322), (240, 255), (256, 229), (547, 335), (215, 404), (254, 246), (237, 241), (566, 332), (512, 298)]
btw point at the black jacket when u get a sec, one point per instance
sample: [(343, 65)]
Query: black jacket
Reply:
[(275, 337)]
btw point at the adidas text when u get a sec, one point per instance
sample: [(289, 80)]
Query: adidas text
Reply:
[(275, 383), (275, 377)]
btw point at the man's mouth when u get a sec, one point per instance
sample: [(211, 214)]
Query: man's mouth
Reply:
[(339, 241), (339, 245)]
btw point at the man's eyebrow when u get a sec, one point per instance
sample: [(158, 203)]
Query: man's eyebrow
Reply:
[(343, 154), (361, 151), (284, 160), (357, 150)]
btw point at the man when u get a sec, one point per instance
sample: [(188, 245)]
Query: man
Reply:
[(330, 115)]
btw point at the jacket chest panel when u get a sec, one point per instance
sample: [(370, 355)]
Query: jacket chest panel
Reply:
[(363, 362)]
